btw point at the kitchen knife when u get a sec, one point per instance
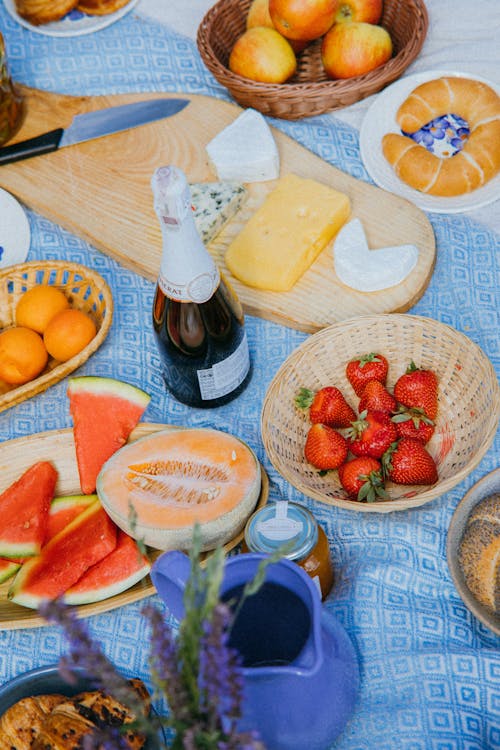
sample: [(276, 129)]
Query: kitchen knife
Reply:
[(91, 125)]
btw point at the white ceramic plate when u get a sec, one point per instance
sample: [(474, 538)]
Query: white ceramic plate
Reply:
[(15, 233), (381, 119), (74, 23)]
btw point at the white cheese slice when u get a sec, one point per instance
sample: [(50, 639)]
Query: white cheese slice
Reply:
[(245, 150), (370, 270), (214, 203)]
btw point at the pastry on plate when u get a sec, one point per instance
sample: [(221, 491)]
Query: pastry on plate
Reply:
[(38, 12)]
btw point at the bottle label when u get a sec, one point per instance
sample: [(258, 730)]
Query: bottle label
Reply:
[(199, 288), (224, 377)]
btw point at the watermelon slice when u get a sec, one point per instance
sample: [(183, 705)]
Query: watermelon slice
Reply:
[(85, 541), (7, 569), (64, 509), (104, 411), (117, 572), (24, 511)]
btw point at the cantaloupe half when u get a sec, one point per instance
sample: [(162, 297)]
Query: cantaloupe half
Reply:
[(158, 487)]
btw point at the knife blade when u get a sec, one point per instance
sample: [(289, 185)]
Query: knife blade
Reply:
[(90, 125)]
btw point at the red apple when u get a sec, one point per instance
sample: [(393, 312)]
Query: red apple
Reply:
[(262, 54), (352, 49), (365, 11), (302, 20)]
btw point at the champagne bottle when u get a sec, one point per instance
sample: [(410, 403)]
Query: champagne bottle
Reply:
[(197, 319)]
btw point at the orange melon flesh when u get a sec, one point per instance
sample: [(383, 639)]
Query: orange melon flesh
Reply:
[(177, 477), (85, 541), (116, 572)]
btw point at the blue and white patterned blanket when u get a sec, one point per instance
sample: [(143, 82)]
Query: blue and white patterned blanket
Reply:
[(430, 671)]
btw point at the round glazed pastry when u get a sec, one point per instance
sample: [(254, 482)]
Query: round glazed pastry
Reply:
[(100, 7), (474, 165), (39, 12), (479, 552)]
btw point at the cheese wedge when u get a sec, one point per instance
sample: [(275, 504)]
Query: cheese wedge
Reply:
[(245, 150), (214, 203), (287, 233)]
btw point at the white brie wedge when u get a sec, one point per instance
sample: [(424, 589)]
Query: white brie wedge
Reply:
[(245, 150), (370, 270)]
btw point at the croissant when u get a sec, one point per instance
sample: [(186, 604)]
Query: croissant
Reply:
[(100, 7), (21, 723), (38, 12), (479, 160)]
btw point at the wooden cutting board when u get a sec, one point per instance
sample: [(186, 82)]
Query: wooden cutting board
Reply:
[(100, 191)]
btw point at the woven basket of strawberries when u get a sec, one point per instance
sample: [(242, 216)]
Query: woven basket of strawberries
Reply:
[(381, 413)]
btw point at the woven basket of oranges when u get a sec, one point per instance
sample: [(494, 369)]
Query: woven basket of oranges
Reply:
[(53, 316)]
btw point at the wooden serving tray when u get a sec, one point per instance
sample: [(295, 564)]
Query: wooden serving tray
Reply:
[(58, 447), (100, 190)]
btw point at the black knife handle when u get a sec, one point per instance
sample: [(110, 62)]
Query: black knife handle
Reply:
[(41, 144)]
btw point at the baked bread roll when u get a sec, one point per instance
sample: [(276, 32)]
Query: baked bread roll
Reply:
[(100, 7), (38, 12), (479, 160), (21, 723), (479, 552)]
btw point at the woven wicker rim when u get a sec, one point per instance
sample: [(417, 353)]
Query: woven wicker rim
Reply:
[(298, 98), (283, 432), (86, 289)]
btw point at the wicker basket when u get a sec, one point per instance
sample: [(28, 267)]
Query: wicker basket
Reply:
[(86, 291), (468, 414), (309, 92)]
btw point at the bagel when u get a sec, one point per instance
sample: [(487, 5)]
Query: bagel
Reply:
[(474, 165)]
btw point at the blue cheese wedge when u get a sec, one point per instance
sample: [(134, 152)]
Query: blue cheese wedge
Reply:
[(214, 203), (245, 150)]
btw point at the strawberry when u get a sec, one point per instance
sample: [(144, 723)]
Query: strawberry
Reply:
[(376, 397), (325, 448), (363, 369), (326, 406), (362, 479), (372, 434), (413, 423), (418, 387), (408, 462)]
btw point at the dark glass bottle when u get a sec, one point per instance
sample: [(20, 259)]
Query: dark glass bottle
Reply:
[(197, 319)]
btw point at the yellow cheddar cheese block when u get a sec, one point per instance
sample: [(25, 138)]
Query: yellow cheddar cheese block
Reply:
[(287, 233)]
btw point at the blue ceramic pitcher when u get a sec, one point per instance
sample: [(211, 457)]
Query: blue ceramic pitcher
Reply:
[(300, 669)]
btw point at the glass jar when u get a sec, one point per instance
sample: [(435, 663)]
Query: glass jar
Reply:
[(11, 101), (285, 523)]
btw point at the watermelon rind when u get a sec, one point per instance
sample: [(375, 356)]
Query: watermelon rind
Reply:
[(69, 568), (109, 387), (65, 509), (7, 569)]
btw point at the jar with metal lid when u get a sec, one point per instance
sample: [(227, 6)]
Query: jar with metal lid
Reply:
[(11, 101), (285, 523)]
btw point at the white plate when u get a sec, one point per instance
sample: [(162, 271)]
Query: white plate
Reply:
[(74, 23), (381, 119), (15, 233)]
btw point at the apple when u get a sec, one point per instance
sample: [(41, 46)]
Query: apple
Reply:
[(302, 20), (262, 54), (352, 49), (364, 11), (258, 14)]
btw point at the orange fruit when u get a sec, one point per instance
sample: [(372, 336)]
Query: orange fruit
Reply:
[(68, 333), (39, 305), (22, 355)]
